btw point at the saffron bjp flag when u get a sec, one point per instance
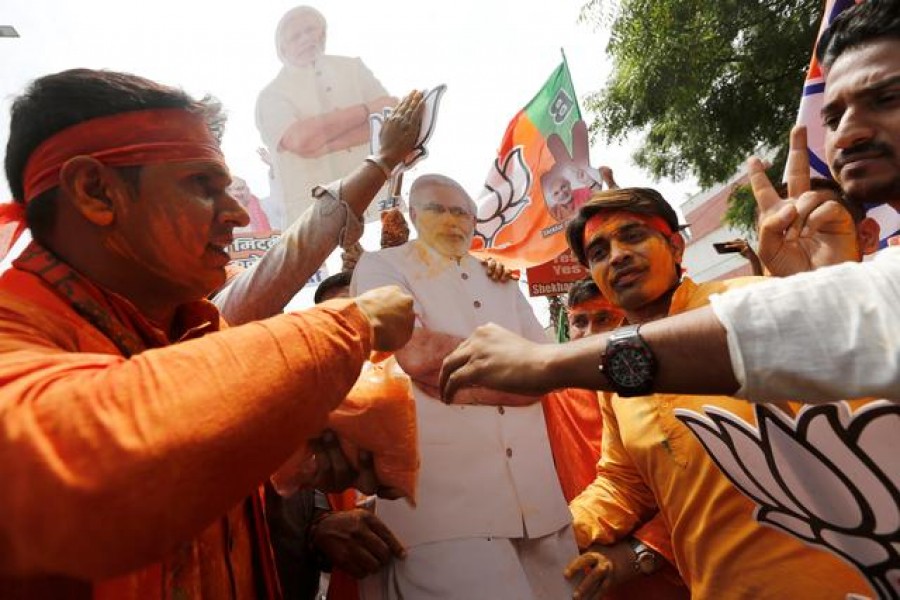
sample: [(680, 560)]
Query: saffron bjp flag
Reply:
[(810, 108), (540, 178)]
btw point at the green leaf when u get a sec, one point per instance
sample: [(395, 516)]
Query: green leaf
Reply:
[(703, 83)]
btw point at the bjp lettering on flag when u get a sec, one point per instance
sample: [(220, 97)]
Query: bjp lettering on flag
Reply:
[(810, 115), (540, 178)]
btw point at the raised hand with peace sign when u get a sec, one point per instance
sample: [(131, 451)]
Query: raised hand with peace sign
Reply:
[(808, 229)]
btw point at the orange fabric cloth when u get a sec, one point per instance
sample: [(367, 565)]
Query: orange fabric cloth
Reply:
[(133, 473), (575, 429), (12, 225), (379, 415), (720, 550)]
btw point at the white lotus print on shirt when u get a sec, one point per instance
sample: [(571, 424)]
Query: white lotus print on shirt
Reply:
[(826, 476)]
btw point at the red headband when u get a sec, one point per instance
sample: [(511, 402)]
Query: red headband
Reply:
[(593, 225), (595, 304), (128, 139)]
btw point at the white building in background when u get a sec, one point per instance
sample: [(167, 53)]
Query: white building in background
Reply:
[(704, 213)]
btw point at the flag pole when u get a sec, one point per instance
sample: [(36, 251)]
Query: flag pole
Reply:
[(562, 51)]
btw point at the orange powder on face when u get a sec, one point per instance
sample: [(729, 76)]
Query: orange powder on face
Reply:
[(596, 222)]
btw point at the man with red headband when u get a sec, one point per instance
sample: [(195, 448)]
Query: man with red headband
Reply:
[(572, 414), (575, 427), (131, 445), (589, 313)]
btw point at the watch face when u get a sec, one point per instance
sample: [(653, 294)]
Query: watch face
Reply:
[(630, 367)]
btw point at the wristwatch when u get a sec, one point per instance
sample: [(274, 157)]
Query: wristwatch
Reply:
[(645, 561), (628, 363)]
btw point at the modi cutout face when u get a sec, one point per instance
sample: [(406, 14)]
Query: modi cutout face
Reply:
[(301, 36), (444, 217), (178, 226), (861, 114), (631, 262)]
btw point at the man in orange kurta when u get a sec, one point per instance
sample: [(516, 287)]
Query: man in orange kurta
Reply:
[(575, 427), (133, 428)]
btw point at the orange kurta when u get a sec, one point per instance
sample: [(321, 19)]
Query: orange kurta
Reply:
[(652, 461), (132, 473), (575, 428)]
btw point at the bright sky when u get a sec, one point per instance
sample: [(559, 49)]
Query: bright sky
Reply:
[(493, 54)]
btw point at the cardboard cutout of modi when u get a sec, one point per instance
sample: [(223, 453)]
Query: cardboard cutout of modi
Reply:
[(314, 116)]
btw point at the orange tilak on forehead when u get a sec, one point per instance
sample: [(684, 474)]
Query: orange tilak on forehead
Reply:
[(601, 222), (594, 305), (141, 137)]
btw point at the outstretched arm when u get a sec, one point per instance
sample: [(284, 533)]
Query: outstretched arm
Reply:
[(690, 348), (784, 338), (89, 430), (334, 219), (422, 358)]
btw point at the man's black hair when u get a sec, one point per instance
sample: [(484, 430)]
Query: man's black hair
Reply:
[(332, 282), (582, 291), (859, 24)]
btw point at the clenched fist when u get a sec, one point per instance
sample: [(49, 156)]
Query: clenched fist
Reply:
[(390, 312)]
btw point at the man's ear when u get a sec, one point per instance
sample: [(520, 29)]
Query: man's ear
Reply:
[(677, 243), (868, 232), (91, 186)]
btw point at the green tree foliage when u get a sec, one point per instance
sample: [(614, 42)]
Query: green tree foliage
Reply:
[(705, 82), (741, 212)]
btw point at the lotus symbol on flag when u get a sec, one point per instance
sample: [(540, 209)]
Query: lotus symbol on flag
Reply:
[(830, 478), (429, 118), (505, 195)]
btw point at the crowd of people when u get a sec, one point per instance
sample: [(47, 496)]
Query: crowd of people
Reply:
[(148, 392)]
